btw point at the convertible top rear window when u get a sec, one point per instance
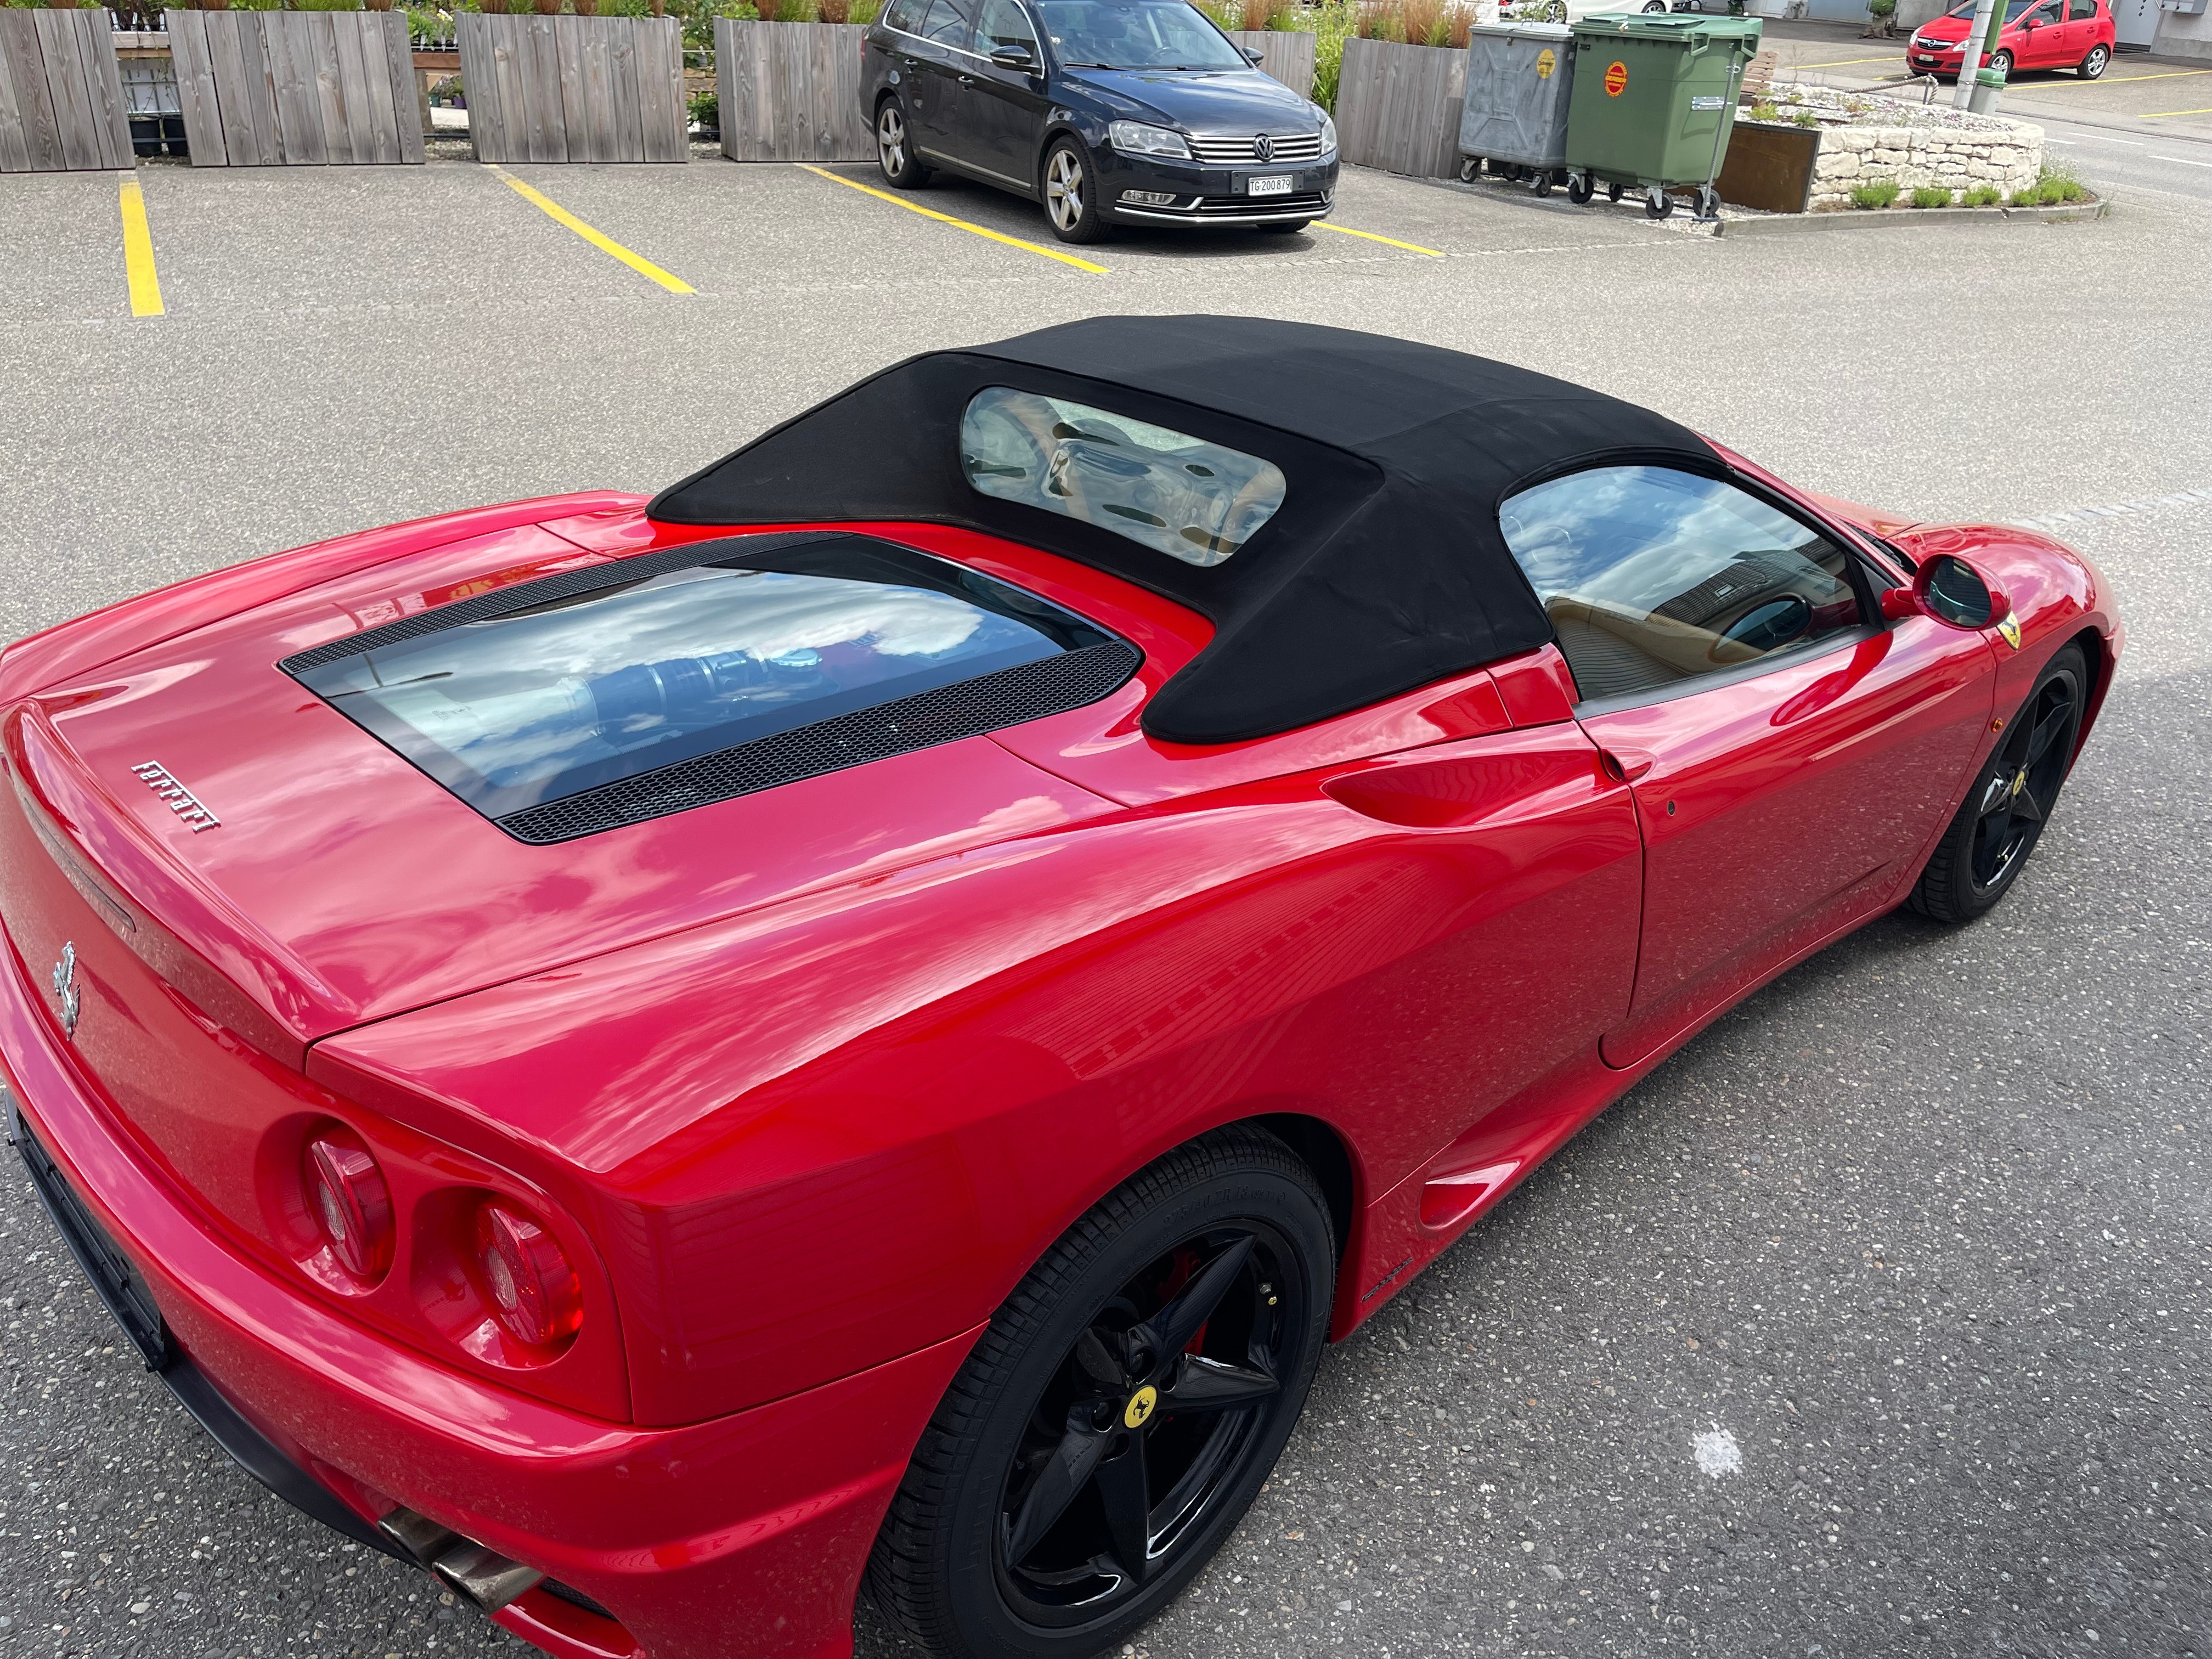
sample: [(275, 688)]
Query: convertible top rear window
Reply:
[(1179, 496), (585, 692)]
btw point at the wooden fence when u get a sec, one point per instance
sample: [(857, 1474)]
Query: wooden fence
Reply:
[(575, 89), (791, 92), (295, 88), (1288, 56), (61, 94), (1398, 107)]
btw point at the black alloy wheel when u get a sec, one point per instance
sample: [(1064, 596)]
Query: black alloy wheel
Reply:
[(1120, 1414), (2003, 816), (894, 157)]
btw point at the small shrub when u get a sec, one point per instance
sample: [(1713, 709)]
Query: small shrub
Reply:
[(704, 108), (1928, 196), (1875, 193), (1981, 196), (2057, 183), (1332, 25), (1764, 111), (1806, 118)]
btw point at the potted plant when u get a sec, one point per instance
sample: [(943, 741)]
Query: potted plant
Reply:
[(1882, 15)]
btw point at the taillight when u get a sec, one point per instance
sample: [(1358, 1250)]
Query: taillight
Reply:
[(352, 1205), (533, 1291)]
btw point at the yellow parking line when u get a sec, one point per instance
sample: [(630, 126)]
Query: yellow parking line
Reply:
[(1389, 241), (138, 253), (2159, 115), (559, 215), (1841, 63), (2017, 86), (962, 224)]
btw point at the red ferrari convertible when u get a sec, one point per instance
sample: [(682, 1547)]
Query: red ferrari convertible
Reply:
[(866, 1019)]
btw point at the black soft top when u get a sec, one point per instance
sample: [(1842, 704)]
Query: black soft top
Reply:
[(1385, 568)]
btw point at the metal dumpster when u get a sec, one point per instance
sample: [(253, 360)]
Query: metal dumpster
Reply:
[(1653, 103), (1515, 114)]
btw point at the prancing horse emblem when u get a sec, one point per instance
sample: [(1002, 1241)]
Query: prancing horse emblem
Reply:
[(1139, 1407), (65, 991), (1264, 147)]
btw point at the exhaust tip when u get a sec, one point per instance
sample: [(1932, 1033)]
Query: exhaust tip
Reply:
[(423, 1540), (485, 1576)]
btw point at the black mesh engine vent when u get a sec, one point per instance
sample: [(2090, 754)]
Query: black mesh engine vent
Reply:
[(1027, 691)]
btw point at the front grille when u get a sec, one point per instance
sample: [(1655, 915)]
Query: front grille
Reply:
[(1242, 149), (1261, 207), (1028, 692)]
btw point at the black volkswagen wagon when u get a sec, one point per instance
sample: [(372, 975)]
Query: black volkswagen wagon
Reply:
[(1139, 111)]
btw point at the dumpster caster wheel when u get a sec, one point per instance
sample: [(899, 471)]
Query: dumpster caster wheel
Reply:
[(1578, 189), (1657, 204), (1540, 184), (1613, 193), (1708, 202), (1468, 169)]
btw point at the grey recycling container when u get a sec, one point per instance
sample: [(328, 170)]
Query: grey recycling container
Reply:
[(1519, 78)]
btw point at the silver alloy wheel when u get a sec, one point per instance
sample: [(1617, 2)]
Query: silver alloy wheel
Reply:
[(891, 141), (1063, 189), (2098, 58)]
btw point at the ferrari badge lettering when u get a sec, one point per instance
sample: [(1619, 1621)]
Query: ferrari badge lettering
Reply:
[(1616, 78), (188, 807), (68, 1000), (1545, 62), (1139, 1408), (2009, 629)]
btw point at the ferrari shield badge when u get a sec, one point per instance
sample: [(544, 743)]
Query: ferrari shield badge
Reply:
[(1141, 1406), (2010, 629)]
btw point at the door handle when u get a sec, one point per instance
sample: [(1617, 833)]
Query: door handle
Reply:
[(1626, 765), (967, 80)]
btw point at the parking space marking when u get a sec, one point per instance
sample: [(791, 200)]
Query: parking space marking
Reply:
[(138, 253), (1840, 62), (2037, 89), (2184, 160), (561, 215), (960, 224), (1388, 241), (2159, 115)]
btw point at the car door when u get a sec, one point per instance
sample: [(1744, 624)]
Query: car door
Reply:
[(2043, 45), (1003, 107), (937, 58), (1792, 757), (2083, 29)]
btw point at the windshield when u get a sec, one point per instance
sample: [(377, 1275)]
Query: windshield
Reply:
[(2013, 9), (1136, 34)]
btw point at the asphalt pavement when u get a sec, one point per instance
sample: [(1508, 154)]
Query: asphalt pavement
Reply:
[(1877, 1321)]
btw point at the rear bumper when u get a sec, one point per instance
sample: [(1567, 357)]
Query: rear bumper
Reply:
[(739, 1537)]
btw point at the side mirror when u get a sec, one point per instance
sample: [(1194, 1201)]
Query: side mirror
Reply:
[(1016, 57), (1254, 58), (1951, 591)]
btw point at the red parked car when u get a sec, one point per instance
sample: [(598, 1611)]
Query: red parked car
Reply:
[(2038, 34), (868, 1017)]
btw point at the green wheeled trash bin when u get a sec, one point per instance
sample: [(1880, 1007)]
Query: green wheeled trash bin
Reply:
[(1653, 103)]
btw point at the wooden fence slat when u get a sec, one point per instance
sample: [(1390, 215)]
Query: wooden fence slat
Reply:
[(234, 44), (23, 65), (599, 91), (196, 90), (62, 44), (410, 107), (661, 113), (624, 70), (15, 147), (384, 108), (479, 72), (104, 79), (352, 141), (325, 88), (257, 90), (292, 73), (568, 43)]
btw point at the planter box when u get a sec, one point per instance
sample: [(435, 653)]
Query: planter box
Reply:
[(1770, 167), (791, 92), (295, 88), (1398, 107), (61, 94), (1288, 57), (583, 89)]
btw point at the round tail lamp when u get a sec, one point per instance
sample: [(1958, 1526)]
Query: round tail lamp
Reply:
[(352, 1204), (533, 1291)]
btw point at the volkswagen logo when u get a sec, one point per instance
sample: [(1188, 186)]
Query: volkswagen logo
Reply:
[(66, 994), (1263, 146)]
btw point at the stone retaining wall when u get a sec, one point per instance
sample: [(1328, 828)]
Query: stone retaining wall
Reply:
[(2006, 154)]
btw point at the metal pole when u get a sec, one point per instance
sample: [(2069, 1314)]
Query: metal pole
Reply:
[(1970, 56), (1708, 198)]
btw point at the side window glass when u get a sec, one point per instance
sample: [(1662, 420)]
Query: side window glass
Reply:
[(2083, 11), (1004, 24), (903, 16), (1653, 577), (947, 22)]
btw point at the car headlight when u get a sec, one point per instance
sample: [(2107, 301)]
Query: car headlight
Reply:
[(1135, 138), (1327, 131)]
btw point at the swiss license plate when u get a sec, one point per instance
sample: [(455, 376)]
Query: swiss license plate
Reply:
[(1280, 185)]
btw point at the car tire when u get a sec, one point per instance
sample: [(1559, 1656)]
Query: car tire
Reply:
[(2001, 61), (895, 157), (1067, 184), (2001, 819), (963, 1565), (2093, 66), (1286, 227)]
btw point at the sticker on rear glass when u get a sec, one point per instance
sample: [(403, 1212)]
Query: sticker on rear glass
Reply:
[(1708, 103), (1546, 63), (1616, 78)]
